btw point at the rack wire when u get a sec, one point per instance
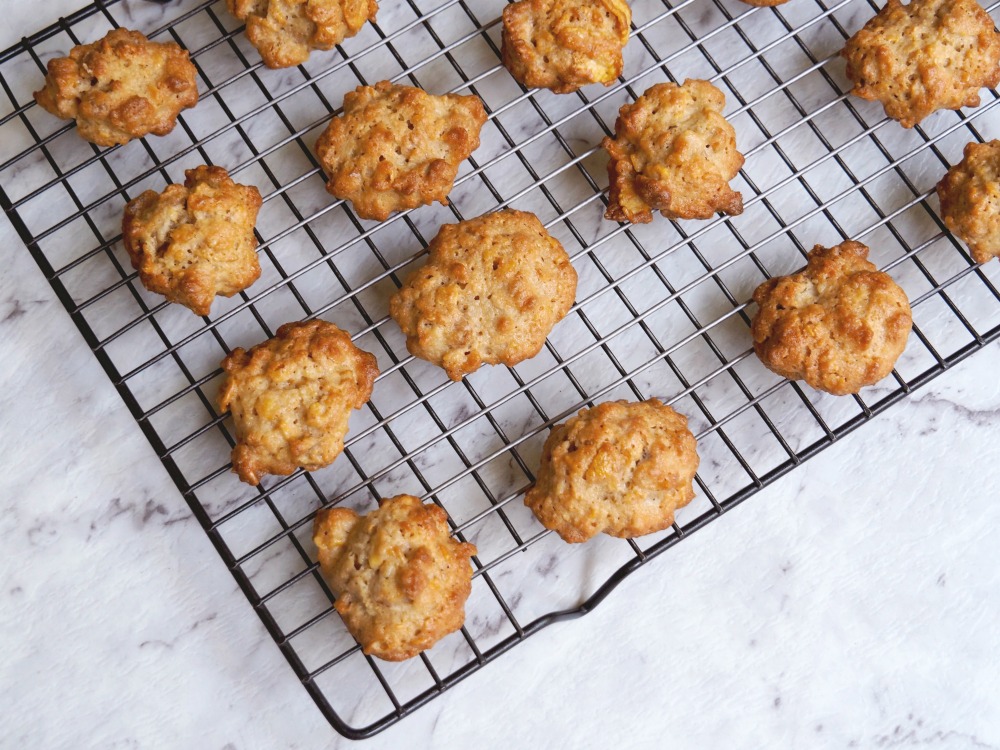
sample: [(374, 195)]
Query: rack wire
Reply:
[(660, 311)]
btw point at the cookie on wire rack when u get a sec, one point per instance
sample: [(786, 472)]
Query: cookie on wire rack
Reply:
[(396, 147), (839, 324), (970, 199), (285, 32), (120, 87), (928, 55), (491, 291), (675, 153), (194, 241), (621, 468), (562, 45), (291, 397), (400, 580)]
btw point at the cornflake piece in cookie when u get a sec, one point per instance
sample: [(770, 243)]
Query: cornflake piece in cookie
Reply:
[(120, 87), (401, 581), (194, 241), (621, 468), (490, 293), (839, 324), (674, 152), (397, 147), (931, 54), (970, 199), (286, 31), (565, 44), (291, 398)]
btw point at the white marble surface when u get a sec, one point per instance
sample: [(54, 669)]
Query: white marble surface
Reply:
[(853, 604)]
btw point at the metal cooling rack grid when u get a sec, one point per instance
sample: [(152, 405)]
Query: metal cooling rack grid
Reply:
[(659, 308)]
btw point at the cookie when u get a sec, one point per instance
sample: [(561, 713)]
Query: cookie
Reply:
[(490, 293), (765, 3), (970, 199), (286, 31), (839, 324), (564, 44), (291, 398), (120, 87), (194, 241), (621, 468), (675, 153), (400, 580), (397, 147), (928, 55)]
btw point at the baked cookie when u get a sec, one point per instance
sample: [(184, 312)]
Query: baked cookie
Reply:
[(291, 398), (839, 324), (565, 44), (931, 54), (674, 152), (286, 31), (765, 3), (970, 200), (120, 87), (622, 468), (401, 581), (397, 147), (194, 241), (490, 293)]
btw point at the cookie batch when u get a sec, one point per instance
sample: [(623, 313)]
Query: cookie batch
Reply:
[(494, 287)]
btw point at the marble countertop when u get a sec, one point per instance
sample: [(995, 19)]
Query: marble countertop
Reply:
[(854, 603)]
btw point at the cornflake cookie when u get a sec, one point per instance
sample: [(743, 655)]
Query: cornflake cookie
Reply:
[(928, 55), (194, 241), (839, 324), (401, 581), (291, 398), (286, 31), (674, 152), (970, 199), (397, 147), (621, 468), (490, 293), (765, 3), (565, 44), (120, 87)]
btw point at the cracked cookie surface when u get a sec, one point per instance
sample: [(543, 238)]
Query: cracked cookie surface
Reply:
[(928, 55), (970, 199), (400, 580), (396, 147), (622, 468), (291, 398), (675, 153), (120, 87), (492, 290), (839, 324), (194, 241)]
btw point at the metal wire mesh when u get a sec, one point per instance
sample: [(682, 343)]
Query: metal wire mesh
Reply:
[(660, 308)]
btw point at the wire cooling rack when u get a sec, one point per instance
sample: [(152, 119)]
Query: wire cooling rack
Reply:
[(660, 308)]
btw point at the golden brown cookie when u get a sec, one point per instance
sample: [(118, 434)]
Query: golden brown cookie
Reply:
[(928, 55), (565, 44), (621, 468), (490, 293), (765, 3), (397, 147), (120, 87), (400, 580), (286, 31), (970, 199), (291, 398), (674, 152), (194, 241), (839, 324)]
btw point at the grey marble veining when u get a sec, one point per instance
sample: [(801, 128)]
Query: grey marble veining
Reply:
[(852, 604)]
